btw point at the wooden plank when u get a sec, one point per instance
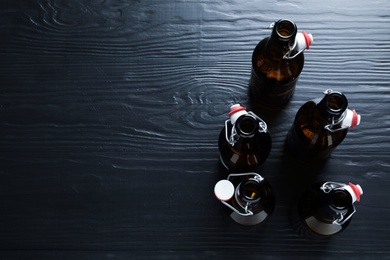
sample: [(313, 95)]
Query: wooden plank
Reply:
[(110, 113)]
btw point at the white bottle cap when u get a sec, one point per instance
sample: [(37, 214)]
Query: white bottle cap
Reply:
[(235, 112), (351, 119), (303, 41), (224, 190), (355, 190)]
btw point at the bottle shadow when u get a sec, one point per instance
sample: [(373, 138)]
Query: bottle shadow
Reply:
[(268, 113), (292, 179)]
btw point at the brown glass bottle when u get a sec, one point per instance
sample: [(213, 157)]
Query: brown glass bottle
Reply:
[(325, 209), (320, 125), (244, 143), (248, 197), (277, 61)]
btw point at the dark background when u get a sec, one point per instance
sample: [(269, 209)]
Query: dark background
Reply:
[(110, 113)]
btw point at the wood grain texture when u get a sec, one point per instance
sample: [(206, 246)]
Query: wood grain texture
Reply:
[(110, 113)]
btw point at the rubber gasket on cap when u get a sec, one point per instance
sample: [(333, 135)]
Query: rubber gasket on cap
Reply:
[(356, 190), (236, 109), (307, 39), (355, 117)]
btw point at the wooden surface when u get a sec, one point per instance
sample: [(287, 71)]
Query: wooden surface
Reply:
[(110, 113)]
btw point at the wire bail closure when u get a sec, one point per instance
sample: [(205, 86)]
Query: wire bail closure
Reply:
[(291, 48), (245, 208), (327, 187), (232, 139), (330, 126), (271, 26)]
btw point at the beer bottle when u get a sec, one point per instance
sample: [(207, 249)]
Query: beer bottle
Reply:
[(325, 209), (277, 61), (244, 143), (320, 125), (248, 197)]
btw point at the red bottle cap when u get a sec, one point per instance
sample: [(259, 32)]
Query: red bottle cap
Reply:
[(357, 190), (351, 119), (235, 112), (355, 119), (308, 39), (235, 108)]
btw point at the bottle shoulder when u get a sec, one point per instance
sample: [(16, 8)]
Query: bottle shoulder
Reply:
[(243, 153), (309, 120), (269, 61), (304, 115), (307, 107)]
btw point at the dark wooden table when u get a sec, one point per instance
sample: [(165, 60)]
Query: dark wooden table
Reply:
[(110, 113)]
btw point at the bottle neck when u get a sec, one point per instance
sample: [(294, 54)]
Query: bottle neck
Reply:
[(337, 206), (340, 199), (247, 126), (243, 128), (249, 194), (331, 109), (282, 38)]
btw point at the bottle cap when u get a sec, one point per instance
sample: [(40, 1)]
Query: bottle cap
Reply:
[(355, 190), (351, 119), (235, 112), (303, 40), (224, 190)]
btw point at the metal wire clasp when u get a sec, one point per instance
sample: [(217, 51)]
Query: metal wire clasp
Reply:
[(327, 187), (247, 212), (232, 139), (288, 53), (330, 126), (334, 122), (290, 49)]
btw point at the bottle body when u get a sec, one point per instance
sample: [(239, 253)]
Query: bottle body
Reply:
[(273, 81), (318, 128), (324, 209), (244, 144), (277, 62), (309, 142), (251, 203)]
